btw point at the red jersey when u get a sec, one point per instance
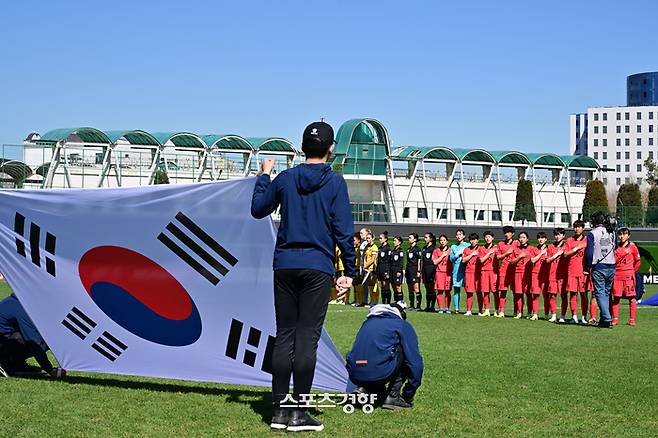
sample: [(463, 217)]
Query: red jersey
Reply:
[(504, 247), (576, 261), (538, 266), (444, 265), (490, 264), (520, 265), (473, 263), (560, 264), (627, 259)]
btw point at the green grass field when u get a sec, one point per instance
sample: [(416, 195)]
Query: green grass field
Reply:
[(482, 376)]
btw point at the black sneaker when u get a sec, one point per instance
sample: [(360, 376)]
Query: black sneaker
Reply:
[(395, 403), (300, 421), (279, 419)]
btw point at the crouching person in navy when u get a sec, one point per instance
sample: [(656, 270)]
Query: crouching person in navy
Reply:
[(385, 356)]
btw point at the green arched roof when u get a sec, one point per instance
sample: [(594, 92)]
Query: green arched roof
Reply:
[(227, 142), (271, 144), (425, 153), (136, 137), (467, 155), (180, 139), (580, 161), (510, 157), (361, 132), (86, 135), (541, 159), (18, 170)]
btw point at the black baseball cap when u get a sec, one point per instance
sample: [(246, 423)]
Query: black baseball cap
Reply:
[(318, 133)]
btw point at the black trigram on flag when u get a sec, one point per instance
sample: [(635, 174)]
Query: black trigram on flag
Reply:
[(253, 340), (34, 241), (109, 346), (198, 253), (78, 323)]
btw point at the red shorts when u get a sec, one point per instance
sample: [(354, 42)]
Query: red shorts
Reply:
[(576, 283), (470, 282), (623, 286), (506, 278), (556, 286), (488, 281), (522, 283), (442, 281), (538, 285)]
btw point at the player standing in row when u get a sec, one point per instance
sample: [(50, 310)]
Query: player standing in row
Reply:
[(539, 282), (505, 271), (488, 272), (574, 250), (458, 268), (397, 269), (627, 263), (471, 272), (443, 273), (371, 291), (521, 254), (429, 270), (413, 272), (384, 269)]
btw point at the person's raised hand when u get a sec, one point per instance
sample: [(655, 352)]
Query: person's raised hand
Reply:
[(267, 165)]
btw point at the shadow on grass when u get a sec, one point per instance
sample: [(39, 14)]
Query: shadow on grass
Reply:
[(259, 401)]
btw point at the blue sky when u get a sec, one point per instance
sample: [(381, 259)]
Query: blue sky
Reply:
[(497, 75)]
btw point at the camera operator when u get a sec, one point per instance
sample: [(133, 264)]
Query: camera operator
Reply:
[(600, 258)]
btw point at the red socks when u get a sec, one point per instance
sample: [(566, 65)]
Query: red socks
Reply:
[(501, 301), (552, 303), (633, 305), (439, 299), (469, 301), (573, 303), (592, 308)]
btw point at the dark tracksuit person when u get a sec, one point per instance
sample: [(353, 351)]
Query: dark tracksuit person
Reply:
[(315, 216), (429, 272), (384, 270), (20, 340), (412, 275), (385, 353), (397, 271)]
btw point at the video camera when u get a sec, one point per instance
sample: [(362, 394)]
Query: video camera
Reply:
[(605, 219)]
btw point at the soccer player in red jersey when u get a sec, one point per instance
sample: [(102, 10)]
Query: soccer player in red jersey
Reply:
[(522, 281), (627, 261), (539, 277), (472, 273), (575, 252), (443, 275), (505, 271), (488, 272), (556, 274)]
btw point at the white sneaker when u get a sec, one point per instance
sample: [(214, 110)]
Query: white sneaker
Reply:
[(468, 313), (534, 317), (553, 318), (562, 320), (574, 320), (583, 321)]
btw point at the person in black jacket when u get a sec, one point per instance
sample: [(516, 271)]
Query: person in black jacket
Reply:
[(429, 271), (384, 268), (397, 270), (385, 355), (413, 271)]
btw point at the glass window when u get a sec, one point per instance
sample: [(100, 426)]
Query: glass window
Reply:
[(605, 142), (618, 129), (627, 129), (596, 130), (638, 128), (596, 155), (639, 115), (549, 217), (478, 215), (596, 142), (650, 141), (605, 129), (627, 116), (639, 142), (639, 168), (605, 155), (627, 180), (639, 155), (605, 180), (650, 115), (605, 116), (650, 128), (596, 117), (510, 215), (619, 155), (639, 181), (442, 213), (619, 142), (618, 116), (460, 214), (618, 168), (618, 181), (565, 218), (405, 212), (651, 153), (627, 168), (496, 216), (627, 141), (422, 213)]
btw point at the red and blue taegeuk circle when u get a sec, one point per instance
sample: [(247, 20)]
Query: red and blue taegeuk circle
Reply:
[(140, 295)]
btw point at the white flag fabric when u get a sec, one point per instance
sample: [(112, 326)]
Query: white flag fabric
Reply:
[(170, 281)]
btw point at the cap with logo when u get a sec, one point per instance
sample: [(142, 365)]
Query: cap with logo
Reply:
[(318, 133)]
